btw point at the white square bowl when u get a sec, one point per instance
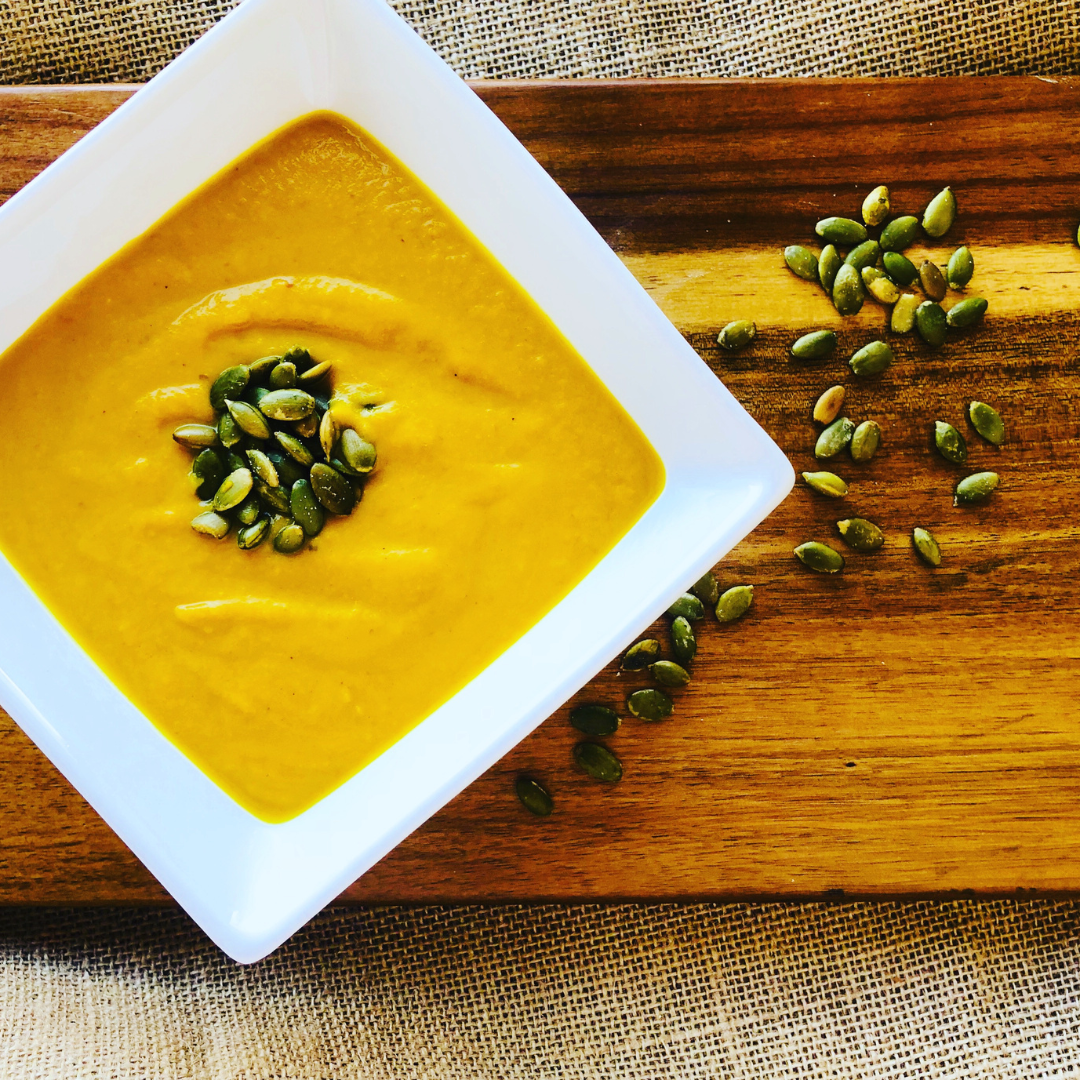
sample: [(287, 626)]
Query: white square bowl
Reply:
[(247, 883)]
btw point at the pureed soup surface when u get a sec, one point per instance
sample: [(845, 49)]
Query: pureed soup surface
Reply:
[(506, 470)]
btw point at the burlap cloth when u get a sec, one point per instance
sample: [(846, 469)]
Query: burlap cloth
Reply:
[(918, 990)]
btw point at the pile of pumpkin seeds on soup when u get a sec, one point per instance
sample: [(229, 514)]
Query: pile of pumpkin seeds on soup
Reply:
[(274, 462)]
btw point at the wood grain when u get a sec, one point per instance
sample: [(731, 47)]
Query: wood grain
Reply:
[(887, 731)]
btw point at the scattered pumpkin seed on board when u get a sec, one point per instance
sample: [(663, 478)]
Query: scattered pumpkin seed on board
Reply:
[(802, 262), (880, 286), (834, 438), (931, 323), (595, 720), (827, 407), (688, 606), (820, 557), (816, 345), (533, 796), (860, 534), (840, 230), (987, 422), (829, 262), (826, 483), (926, 547), (866, 254), (960, 268), (848, 293), (900, 268), (900, 233), (734, 603), (966, 313), (865, 441), (976, 488), (939, 214), (876, 206), (871, 359), (668, 673), (650, 705), (902, 320), (641, 654), (598, 761), (706, 589), (683, 641), (950, 444), (932, 281), (737, 335)]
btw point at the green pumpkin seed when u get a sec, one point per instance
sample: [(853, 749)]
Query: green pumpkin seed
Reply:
[(211, 524), (814, 346), (961, 267), (294, 448), (932, 281), (827, 407), (358, 453), (829, 262), (234, 490), (289, 539), (735, 603), (327, 434), (865, 441), (939, 214), (848, 293), (900, 268), (342, 468), (834, 438), (802, 262), (196, 436), (683, 642), (668, 673), (533, 797), (231, 383), (287, 404), (595, 720), (866, 254), (640, 655), (931, 323), (247, 513), (307, 428), (263, 468), (706, 589), (283, 377), (234, 461), (262, 367), (650, 704), (819, 557), (926, 547), (826, 483), (289, 470), (249, 419), (332, 489), (305, 508), (598, 761), (986, 420), (871, 359), (229, 431), (207, 472), (976, 488), (273, 498), (876, 205), (899, 234), (879, 285), (251, 536), (902, 320), (967, 313), (736, 335), (298, 355), (315, 373), (254, 394), (860, 534), (950, 443), (688, 606), (840, 230)]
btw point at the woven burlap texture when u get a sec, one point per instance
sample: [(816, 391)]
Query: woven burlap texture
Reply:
[(57, 41), (957, 990)]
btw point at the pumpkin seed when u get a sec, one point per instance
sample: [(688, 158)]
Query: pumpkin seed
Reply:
[(903, 314), (254, 394), (234, 461), (900, 268), (814, 346), (827, 408), (342, 468), (640, 655), (247, 513), (298, 355), (332, 489), (802, 262), (688, 606), (949, 442), (231, 383), (967, 313), (208, 472), (834, 438), (735, 603), (819, 557), (289, 404), (879, 285), (736, 335), (939, 214), (283, 377), (826, 483), (866, 254), (668, 673), (976, 488), (315, 373), (305, 508), (926, 547), (294, 448), (251, 536), (871, 359), (249, 419), (595, 720), (931, 323), (196, 436), (273, 498), (848, 293), (984, 418), (358, 453), (865, 441), (650, 704), (288, 469), (860, 534), (899, 234), (262, 367), (829, 262), (683, 642), (706, 589), (598, 761), (533, 797), (263, 467), (932, 281), (229, 431), (875, 207), (234, 490), (290, 539), (840, 230), (211, 524), (961, 267), (327, 434), (307, 428)]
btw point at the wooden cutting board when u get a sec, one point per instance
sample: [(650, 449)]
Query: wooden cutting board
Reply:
[(890, 730)]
